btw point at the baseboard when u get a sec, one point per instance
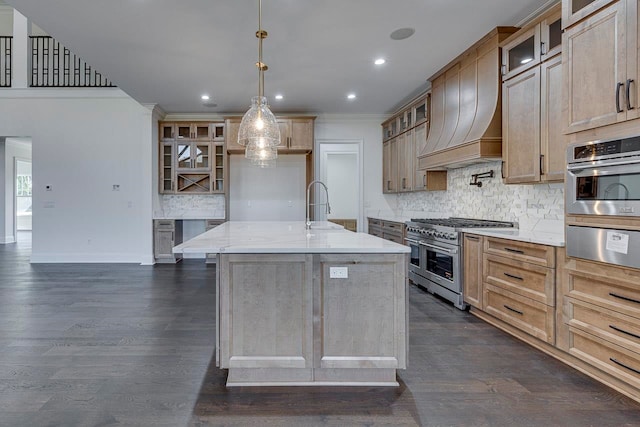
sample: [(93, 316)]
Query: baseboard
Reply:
[(40, 258), (7, 239)]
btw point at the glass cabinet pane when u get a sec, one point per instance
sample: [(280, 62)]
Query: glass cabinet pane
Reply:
[(202, 156), (184, 156), (202, 131), (184, 131), (555, 34), (576, 5), (522, 53), (421, 113), (167, 132)]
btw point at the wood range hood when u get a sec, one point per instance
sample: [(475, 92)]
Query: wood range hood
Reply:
[(466, 113)]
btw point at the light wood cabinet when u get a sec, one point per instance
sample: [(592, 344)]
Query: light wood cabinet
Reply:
[(600, 68), (296, 135), (601, 314), (192, 158), (575, 10), (400, 152), (533, 144), (519, 285), (390, 166), (167, 233), (472, 273)]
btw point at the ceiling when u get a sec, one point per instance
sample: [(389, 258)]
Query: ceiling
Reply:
[(170, 52)]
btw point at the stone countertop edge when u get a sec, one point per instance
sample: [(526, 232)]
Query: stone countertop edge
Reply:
[(530, 236), (285, 237)]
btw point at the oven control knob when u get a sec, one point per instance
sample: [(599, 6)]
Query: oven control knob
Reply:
[(451, 236), (438, 234)]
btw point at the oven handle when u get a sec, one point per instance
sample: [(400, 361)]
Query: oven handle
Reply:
[(581, 166), (439, 248), (415, 242)]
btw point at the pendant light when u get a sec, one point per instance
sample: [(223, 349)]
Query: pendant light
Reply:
[(259, 131)]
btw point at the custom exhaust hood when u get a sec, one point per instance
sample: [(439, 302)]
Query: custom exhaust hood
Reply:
[(466, 113)]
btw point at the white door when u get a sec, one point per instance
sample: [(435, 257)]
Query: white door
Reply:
[(340, 169)]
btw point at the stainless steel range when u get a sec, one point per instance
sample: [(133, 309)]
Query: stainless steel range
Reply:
[(436, 254)]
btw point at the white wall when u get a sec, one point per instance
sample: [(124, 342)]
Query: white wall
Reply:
[(85, 141), (364, 128), (13, 149), (267, 194), (3, 197)]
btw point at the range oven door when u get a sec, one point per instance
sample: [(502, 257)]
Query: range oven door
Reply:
[(416, 260), (442, 264), (603, 189)]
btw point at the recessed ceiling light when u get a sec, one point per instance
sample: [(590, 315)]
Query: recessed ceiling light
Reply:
[(379, 61), (402, 33), (279, 97), (351, 96), (205, 97)]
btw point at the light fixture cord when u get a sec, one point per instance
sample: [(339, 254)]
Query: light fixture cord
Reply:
[(260, 64)]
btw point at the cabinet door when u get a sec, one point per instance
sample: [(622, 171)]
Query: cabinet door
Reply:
[(301, 137), (361, 316), (390, 166), (553, 142), (521, 53), (550, 36), (266, 311), (285, 134), (166, 168), (594, 54), (472, 293), (575, 10), (232, 126), (521, 127), (419, 137), (167, 131), (219, 169), (405, 161), (163, 243)]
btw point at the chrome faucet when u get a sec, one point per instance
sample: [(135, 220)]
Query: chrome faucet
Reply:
[(309, 204)]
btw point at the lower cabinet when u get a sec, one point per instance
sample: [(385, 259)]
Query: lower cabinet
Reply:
[(283, 318), (388, 230), (601, 312), (167, 233), (472, 277)]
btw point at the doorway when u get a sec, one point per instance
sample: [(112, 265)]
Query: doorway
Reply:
[(341, 170)]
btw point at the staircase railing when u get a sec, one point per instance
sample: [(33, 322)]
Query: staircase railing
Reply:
[(5, 61), (53, 65)]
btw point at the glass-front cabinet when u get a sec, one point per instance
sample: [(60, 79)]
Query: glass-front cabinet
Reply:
[(192, 157), (575, 10)]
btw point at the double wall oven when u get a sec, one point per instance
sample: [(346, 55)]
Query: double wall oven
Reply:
[(436, 254), (603, 179)]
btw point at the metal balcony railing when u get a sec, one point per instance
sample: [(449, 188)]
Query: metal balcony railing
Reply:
[(53, 65), (5, 61)]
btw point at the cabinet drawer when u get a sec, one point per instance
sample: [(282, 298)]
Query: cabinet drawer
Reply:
[(393, 237), (529, 280), (522, 251), (375, 222), (212, 223), (615, 293), (606, 356), (530, 316), (398, 226), (164, 224), (606, 324)]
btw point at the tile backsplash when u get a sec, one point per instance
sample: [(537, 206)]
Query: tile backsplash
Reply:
[(191, 206), (532, 206)]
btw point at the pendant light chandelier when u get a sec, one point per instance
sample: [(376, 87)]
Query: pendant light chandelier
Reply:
[(259, 131)]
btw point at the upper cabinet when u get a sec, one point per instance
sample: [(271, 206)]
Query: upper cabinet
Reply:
[(191, 157), (404, 137), (576, 10), (533, 144), (296, 135), (600, 57)]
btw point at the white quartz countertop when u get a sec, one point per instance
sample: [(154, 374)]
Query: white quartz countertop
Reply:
[(531, 236), (285, 237)]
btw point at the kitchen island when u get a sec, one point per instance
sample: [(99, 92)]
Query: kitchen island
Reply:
[(323, 306)]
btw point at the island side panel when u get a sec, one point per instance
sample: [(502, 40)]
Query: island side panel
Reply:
[(266, 312), (362, 318)]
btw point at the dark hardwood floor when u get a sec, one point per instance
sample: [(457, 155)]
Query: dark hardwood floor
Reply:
[(128, 345)]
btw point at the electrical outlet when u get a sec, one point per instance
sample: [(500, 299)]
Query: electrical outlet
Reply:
[(116, 187), (338, 272)]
